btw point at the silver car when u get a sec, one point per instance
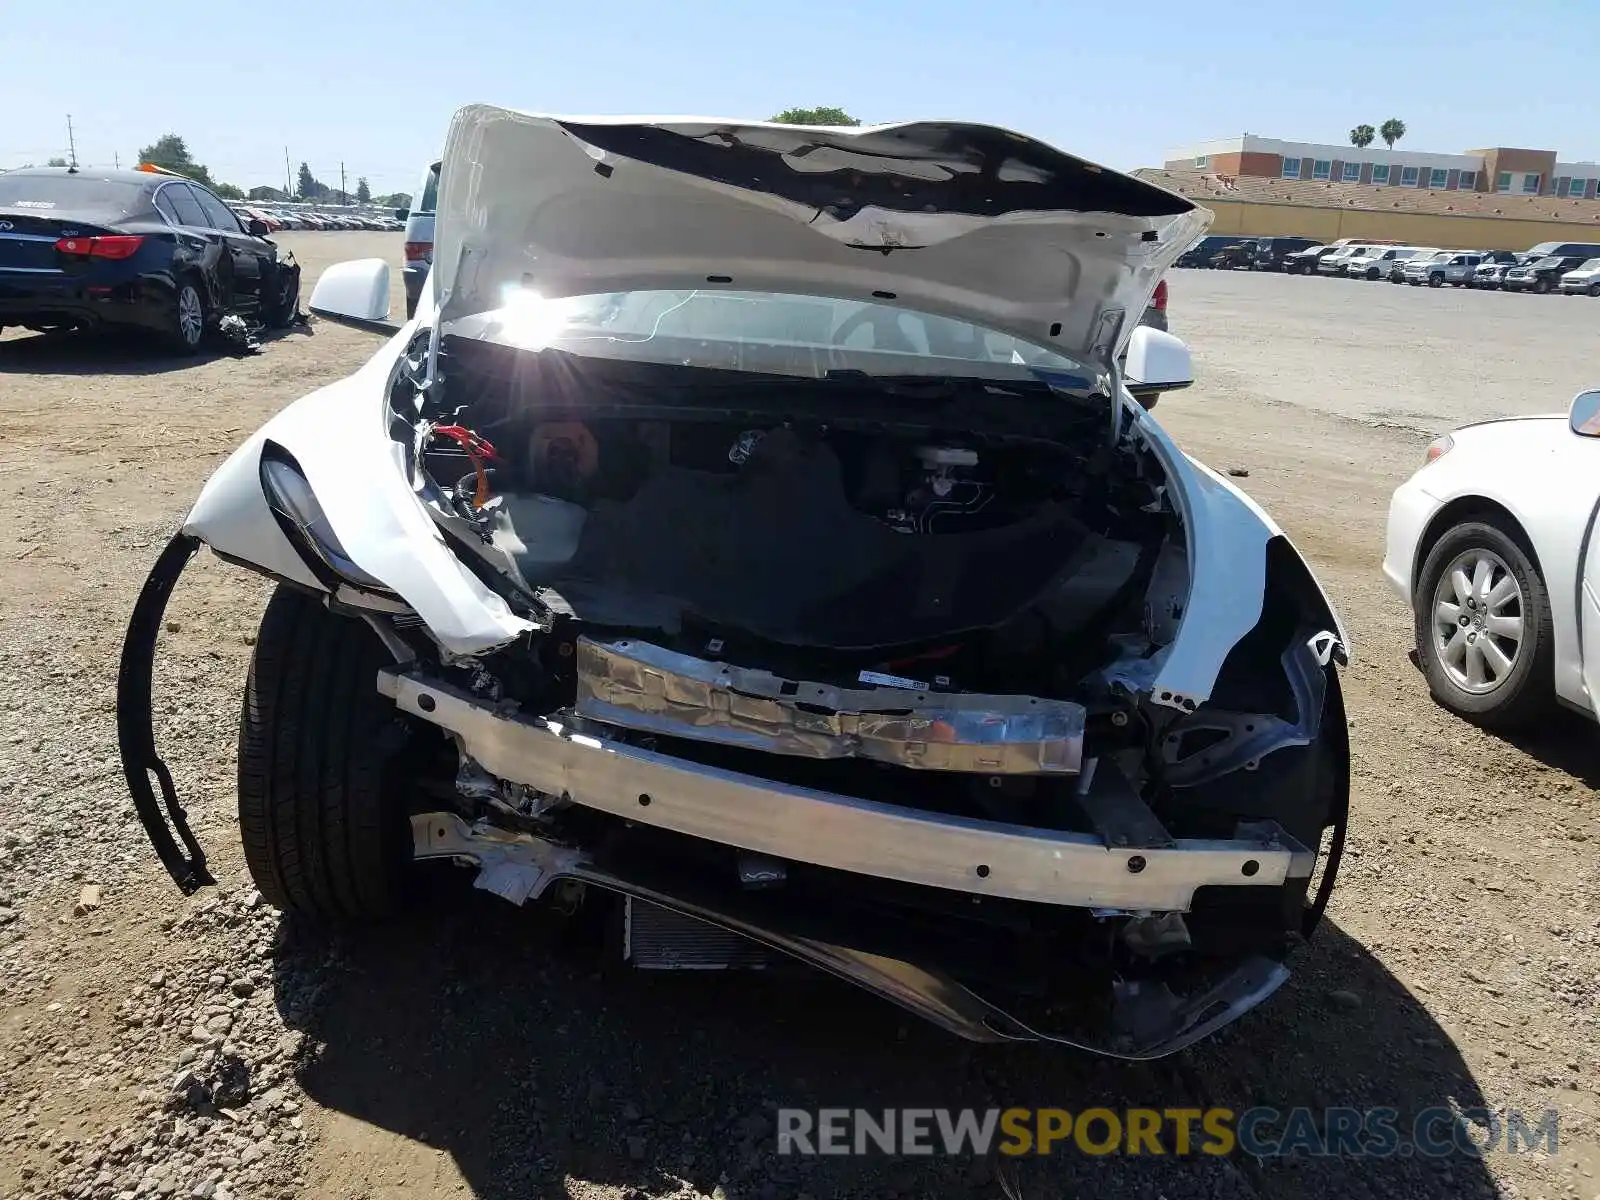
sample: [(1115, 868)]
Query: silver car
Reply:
[(419, 236), (1454, 267)]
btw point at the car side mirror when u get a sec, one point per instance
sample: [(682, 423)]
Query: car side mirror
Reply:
[(1156, 362), (1585, 417), (258, 227), (355, 293)]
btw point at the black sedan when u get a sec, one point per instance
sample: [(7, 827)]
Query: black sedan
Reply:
[(141, 250)]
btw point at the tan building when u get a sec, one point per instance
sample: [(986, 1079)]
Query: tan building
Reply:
[(1256, 206), (1500, 170)]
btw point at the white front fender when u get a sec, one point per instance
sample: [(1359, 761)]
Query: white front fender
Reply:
[(1228, 536), (339, 437)]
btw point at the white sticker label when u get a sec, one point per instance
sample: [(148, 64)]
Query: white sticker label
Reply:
[(893, 681)]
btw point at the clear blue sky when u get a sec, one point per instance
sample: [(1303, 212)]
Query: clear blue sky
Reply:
[(373, 84)]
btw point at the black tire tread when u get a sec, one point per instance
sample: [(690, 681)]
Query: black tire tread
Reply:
[(321, 827), (1530, 695)]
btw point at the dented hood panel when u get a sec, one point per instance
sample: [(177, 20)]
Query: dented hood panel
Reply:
[(967, 221)]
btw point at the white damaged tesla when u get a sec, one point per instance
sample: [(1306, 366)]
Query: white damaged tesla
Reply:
[(755, 543)]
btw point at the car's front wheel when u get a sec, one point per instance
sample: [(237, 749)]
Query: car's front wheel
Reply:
[(1483, 628), (1541, 286), (279, 308), (322, 778)]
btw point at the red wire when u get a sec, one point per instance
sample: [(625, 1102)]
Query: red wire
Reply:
[(478, 451)]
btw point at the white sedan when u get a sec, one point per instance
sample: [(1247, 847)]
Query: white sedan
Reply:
[(1489, 542)]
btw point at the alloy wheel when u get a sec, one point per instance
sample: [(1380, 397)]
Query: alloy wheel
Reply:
[(1478, 617), (191, 315)]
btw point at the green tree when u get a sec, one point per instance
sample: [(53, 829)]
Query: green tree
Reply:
[(229, 191), (172, 153), (822, 115), (1391, 131), (363, 192), (1361, 136), (57, 162), (309, 187), (395, 200)]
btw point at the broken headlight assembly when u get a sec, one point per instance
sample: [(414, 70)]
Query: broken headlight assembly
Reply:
[(291, 499)]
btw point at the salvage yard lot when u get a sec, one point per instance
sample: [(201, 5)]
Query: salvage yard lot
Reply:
[(1461, 964)]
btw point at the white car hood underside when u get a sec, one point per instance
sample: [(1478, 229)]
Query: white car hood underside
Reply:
[(966, 221)]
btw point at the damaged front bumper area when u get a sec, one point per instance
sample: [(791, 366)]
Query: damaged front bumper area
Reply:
[(1128, 870)]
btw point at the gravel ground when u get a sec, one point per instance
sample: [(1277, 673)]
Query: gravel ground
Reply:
[(156, 1046)]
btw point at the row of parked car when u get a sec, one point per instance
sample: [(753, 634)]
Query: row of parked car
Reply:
[(276, 219), (1569, 267)]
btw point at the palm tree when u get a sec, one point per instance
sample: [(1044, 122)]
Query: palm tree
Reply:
[(1361, 136), (1392, 131)]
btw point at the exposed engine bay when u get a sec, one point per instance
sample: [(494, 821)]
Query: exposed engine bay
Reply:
[(821, 543)]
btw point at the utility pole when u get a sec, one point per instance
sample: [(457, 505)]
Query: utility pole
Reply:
[(116, 159), (344, 198), (288, 186), (72, 145)]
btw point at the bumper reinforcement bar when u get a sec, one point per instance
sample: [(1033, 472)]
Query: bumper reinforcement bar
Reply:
[(843, 832)]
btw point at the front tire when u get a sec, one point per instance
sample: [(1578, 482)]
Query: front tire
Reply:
[(1435, 280), (1483, 629), (279, 311), (1541, 287), (322, 809)]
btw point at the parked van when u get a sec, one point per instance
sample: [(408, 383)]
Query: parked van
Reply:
[(419, 236), (1564, 250)]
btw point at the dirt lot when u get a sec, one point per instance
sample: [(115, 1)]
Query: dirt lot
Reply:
[(1461, 965)]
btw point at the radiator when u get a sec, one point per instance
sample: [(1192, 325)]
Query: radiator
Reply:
[(658, 939)]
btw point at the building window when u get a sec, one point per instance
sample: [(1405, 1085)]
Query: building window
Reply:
[(1408, 176), (1291, 168), (1438, 177), (1202, 160), (1578, 188), (1321, 169), (1530, 184), (1380, 173), (1502, 182), (1561, 183), (1469, 181), (1350, 172)]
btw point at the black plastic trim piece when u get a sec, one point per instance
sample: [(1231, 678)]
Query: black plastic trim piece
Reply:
[(136, 726)]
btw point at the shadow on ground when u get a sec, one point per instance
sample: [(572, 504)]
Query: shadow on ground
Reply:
[(1564, 741), (116, 353), (466, 1034)]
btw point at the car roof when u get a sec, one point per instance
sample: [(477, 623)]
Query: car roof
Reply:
[(142, 178)]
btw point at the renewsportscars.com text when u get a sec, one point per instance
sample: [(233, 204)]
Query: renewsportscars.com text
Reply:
[(1260, 1132)]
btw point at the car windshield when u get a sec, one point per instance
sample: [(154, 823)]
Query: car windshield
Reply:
[(111, 198), (776, 333), (1549, 260), (1591, 264)]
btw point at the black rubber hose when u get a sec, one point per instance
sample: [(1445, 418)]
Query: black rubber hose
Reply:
[(136, 737)]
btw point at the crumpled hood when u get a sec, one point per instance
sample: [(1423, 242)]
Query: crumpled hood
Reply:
[(966, 221)]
